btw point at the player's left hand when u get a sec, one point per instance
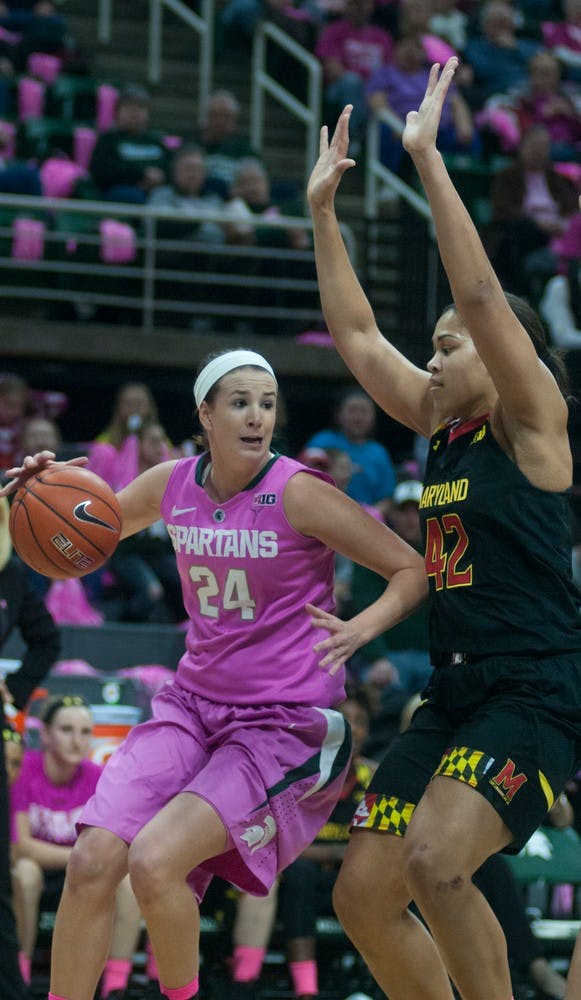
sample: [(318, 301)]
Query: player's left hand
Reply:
[(422, 126), (343, 641)]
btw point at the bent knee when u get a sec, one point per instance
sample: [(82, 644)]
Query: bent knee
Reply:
[(148, 870), (97, 858), (347, 900), (433, 873)]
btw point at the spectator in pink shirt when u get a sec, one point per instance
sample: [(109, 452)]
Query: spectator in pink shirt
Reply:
[(546, 102), (351, 49), (564, 38), (46, 801)]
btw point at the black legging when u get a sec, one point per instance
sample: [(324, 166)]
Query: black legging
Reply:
[(305, 893), (11, 984)]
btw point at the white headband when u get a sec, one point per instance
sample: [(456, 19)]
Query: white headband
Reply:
[(223, 364)]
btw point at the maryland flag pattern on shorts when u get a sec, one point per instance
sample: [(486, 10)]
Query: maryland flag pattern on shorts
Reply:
[(387, 814), (464, 764)]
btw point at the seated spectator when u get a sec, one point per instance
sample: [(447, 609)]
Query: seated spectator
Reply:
[(114, 453), (130, 159), (16, 177), (560, 307), (564, 39), (298, 18), (8, 55), (399, 86), (13, 752), (14, 399), (398, 659), (46, 801), (448, 20), (40, 26), (414, 20), (222, 141), (351, 49), (39, 434), (546, 102), (498, 57), (374, 479), (134, 403), (339, 465), (144, 565), (246, 215), (188, 194), (531, 205), (252, 199)]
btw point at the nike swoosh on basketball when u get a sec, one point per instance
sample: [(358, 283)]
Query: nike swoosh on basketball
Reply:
[(82, 514), (176, 511)]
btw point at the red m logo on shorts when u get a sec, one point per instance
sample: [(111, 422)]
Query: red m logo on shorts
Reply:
[(506, 782)]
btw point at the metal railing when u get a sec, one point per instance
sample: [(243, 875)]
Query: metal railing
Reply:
[(378, 178), (201, 24), (104, 21), (263, 83), (170, 275), (382, 184)]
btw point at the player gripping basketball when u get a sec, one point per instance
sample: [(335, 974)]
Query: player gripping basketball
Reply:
[(65, 521), (245, 756)]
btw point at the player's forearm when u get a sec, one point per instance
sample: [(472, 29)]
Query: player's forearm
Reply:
[(345, 307), (50, 856), (407, 589), (469, 271)]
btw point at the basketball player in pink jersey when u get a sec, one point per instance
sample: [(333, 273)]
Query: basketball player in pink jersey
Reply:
[(245, 756)]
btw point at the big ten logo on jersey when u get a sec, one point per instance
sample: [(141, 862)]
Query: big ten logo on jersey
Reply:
[(264, 499)]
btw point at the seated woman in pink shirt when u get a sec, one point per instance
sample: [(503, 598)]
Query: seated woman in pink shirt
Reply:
[(46, 801)]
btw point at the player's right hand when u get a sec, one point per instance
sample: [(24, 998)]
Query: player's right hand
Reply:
[(32, 464)]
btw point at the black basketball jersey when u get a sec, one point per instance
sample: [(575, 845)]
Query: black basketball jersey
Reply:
[(497, 551)]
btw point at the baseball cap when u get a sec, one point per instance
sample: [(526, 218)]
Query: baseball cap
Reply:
[(410, 491), (315, 458), (134, 94)]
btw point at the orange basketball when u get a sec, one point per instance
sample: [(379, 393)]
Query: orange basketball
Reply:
[(65, 521)]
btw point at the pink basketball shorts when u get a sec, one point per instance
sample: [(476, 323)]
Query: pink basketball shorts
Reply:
[(273, 773)]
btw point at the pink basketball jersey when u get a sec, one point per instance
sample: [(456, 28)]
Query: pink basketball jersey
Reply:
[(246, 576)]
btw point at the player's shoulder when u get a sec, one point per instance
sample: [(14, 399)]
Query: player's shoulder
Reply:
[(89, 770)]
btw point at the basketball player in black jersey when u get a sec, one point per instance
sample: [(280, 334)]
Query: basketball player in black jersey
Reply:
[(499, 731)]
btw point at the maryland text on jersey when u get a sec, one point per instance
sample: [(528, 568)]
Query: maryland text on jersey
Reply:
[(237, 543), (441, 494)]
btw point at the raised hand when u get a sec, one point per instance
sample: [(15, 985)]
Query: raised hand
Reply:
[(30, 466), (421, 126), (332, 163)]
